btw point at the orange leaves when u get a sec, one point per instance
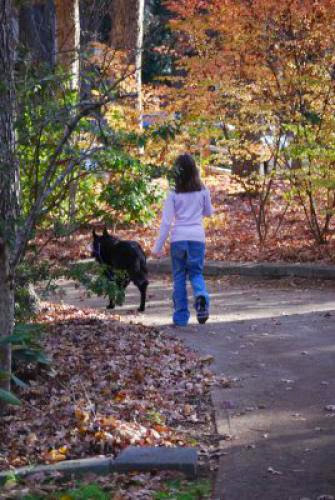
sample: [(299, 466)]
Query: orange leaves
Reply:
[(231, 236), (277, 46), (117, 384), (160, 428), (55, 455), (82, 417), (109, 422), (120, 396), (116, 433)]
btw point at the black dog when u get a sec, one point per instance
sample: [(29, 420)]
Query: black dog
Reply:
[(122, 255)]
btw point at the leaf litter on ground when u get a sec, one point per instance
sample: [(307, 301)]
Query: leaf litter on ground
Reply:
[(230, 235), (110, 384)]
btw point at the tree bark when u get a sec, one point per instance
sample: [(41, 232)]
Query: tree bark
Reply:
[(6, 315), (37, 30), (68, 36), (67, 54), (139, 58), (126, 35), (124, 17), (9, 178)]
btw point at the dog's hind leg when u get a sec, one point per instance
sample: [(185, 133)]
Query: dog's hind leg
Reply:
[(111, 304), (143, 291), (142, 285)]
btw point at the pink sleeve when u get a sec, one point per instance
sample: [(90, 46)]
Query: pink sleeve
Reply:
[(208, 207), (167, 219)]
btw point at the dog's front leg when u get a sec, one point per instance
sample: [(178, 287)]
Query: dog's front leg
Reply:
[(111, 277), (111, 304), (143, 290)]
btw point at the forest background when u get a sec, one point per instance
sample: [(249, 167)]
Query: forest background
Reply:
[(253, 101), (98, 98)]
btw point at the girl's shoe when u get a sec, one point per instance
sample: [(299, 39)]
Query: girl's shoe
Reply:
[(201, 308)]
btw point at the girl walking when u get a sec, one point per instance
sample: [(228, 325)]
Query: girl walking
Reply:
[(183, 211)]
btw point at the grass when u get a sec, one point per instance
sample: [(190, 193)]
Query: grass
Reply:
[(185, 490), (170, 490), (85, 492)]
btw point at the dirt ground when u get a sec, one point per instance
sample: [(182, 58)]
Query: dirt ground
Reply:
[(274, 341)]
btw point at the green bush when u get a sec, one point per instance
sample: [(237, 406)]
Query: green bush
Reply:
[(28, 275), (132, 192), (26, 351), (93, 277)]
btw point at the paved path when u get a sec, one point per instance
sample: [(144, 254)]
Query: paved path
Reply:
[(275, 339)]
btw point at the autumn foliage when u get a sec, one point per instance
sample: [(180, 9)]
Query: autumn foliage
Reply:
[(260, 74), (111, 384)]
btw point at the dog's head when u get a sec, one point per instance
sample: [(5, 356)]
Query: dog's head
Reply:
[(100, 243), (96, 246)]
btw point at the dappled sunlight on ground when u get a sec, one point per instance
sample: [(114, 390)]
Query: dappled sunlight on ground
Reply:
[(271, 344)]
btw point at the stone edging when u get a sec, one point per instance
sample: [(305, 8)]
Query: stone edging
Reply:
[(262, 269), (133, 458)]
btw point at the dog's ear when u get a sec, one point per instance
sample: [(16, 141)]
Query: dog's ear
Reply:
[(105, 233)]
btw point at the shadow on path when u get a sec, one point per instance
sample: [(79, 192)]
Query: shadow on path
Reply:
[(275, 341)]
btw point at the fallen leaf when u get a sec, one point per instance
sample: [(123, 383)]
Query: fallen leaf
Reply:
[(274, 471)]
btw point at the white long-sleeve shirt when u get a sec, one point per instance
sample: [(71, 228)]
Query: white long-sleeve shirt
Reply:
[(182, 216)]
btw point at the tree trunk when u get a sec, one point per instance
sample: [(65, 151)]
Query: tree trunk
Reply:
[(6, 315), (68, 36), (67, 54), (9, 178), (139, 58), (126, 35), (124, 20), (37, 31)]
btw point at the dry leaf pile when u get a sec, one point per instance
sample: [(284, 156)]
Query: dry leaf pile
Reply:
[(111, 384), (230, 235)]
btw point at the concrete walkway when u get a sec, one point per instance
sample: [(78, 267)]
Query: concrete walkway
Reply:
[(275, 341)]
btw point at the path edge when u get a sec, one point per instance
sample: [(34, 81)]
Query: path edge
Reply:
[(257, 269), (132, 458)]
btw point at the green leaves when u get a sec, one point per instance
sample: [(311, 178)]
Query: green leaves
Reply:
[(131, 192), (9, 398), (26, 349), (98, 146), (93, 277), (86, 492), (18, 381), (185, 490)]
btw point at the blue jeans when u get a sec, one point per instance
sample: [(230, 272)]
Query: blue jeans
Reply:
[(187, 261)]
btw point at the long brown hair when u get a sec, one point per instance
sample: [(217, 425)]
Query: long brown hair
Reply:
[(186, 175)]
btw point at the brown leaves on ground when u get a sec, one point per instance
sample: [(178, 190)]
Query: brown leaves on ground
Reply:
[(111, 384), (230, 235)]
